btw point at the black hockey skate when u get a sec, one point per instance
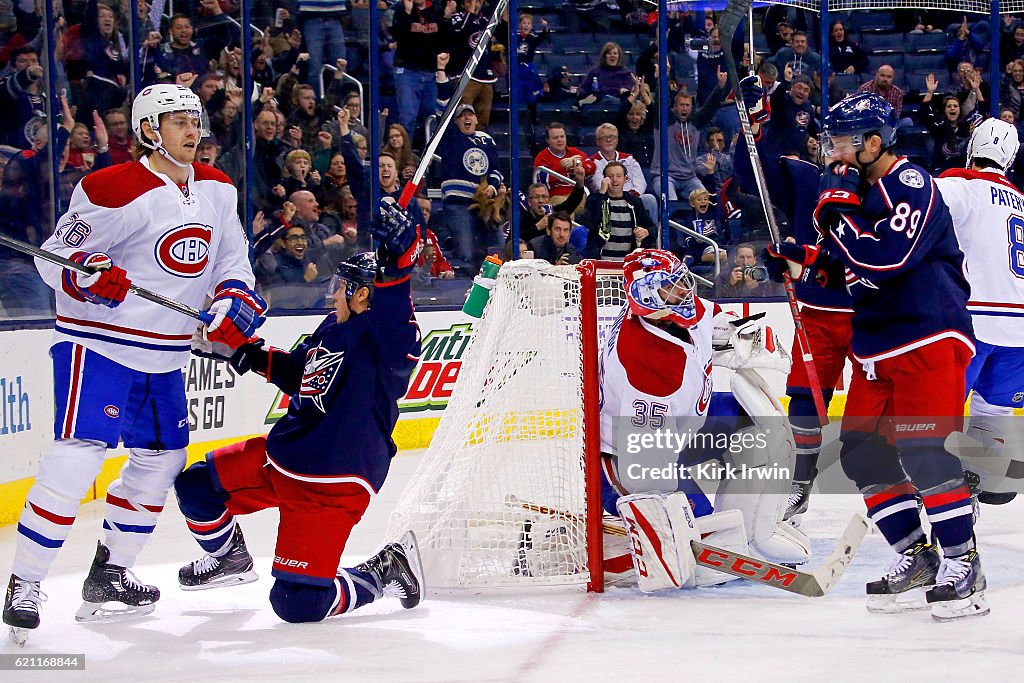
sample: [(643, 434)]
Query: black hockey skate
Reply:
[(399, 571), (109, 583), (796, 504), (21, 608), (959, 589), (903, 586), (233, 568)]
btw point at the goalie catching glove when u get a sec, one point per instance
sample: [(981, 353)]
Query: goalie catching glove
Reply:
[(107, 285), (396, 238), (234, 315), (810, 265)]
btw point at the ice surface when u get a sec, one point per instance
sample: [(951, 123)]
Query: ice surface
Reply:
[(740, 632)]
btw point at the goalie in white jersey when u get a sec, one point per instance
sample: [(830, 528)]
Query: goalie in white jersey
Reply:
[(988, 217), (172, 227), (656, 374)]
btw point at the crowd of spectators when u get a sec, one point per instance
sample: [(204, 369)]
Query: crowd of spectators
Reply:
[(590, 120)]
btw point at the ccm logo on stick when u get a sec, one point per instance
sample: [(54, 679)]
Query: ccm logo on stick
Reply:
[(750, 568)]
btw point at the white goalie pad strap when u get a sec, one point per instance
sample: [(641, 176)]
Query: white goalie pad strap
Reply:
[(751, 345), (722, 530), (660, 531)]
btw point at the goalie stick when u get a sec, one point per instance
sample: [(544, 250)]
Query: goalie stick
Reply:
[(735, 12), (483, 41), (167, 302), (811, 584)]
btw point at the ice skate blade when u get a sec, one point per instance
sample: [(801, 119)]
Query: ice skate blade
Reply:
[(233, 580), (912, 600), (412, 552), (951, 610), (95, 612), (19, 635)]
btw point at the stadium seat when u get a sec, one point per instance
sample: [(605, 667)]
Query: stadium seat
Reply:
[(927, 42), (572, 43), (895, 60), (916, 80), (848, 82), (922, 63), (867, 22), (913, 141), (578, 64), (883, 43)]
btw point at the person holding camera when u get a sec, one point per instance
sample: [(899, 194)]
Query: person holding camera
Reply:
[(747, 278), (554, 246)]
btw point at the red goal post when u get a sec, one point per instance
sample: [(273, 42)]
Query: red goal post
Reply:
[(508, 495)]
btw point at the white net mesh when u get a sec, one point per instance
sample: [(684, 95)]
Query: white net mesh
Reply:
[(499, 498)]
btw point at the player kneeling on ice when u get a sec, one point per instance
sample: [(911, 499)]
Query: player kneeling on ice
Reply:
[(655, 367), (328, 456)]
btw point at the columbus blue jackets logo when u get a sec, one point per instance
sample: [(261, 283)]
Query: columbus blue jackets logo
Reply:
[(184, 250), (475, 161), (317, 377)]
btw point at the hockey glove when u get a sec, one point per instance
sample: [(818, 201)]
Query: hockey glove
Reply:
[(755, 97), (807, 264), (397, 239), (107, 286), (250, 356), (234, 315), (204, 348), (839, 187)]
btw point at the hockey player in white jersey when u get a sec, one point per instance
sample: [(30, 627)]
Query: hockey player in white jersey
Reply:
[(656, 372), (172, 227), (988, 217)]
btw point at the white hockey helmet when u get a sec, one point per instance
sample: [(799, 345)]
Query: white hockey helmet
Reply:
[(995, 140), (164, 99)]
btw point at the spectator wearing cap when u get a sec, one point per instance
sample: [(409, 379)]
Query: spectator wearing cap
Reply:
[(469, 159), (792, 119), (208, 152), (559, 86), (180, 54)]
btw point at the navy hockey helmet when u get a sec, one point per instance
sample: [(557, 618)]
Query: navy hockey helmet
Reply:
[(358, 270), (859, 116)]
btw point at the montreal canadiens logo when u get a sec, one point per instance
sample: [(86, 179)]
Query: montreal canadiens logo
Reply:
[(112, 412), (185, 250)]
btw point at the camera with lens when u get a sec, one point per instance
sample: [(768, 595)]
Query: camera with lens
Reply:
[(697, 44), (755, 273)]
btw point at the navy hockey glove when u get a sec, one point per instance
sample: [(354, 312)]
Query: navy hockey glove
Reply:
[(250, 356), (806, 264), (107, 286), (397, 239), (755, 97), (840, 187), (234, 315)]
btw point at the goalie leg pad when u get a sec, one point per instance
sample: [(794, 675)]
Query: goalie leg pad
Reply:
[(723, 530), (660, 529)]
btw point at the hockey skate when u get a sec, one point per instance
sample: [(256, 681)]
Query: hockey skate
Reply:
[(109, 583), (796, 504), (399, 570), (902, 589), (233, 568), (959, 589), (21, 608)]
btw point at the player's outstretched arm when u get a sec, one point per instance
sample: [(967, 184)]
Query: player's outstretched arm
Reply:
[(279, 367)]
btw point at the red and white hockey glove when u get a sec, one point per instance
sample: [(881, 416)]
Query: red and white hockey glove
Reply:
[(107, 286), (234, 315), (840, 193)]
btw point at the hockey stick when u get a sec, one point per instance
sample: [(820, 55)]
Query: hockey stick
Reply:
[(812, 584), (26, 248), (735, 12), (413, 186)]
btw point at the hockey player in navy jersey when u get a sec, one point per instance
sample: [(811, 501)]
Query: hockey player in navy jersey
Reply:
[(170, 225), (323, 462), (884, 220), (826, 312)]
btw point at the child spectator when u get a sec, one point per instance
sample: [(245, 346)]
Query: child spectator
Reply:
[(296, 174)]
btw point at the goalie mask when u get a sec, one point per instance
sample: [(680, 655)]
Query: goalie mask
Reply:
[(354, 272), (660, 287), (995, 140)]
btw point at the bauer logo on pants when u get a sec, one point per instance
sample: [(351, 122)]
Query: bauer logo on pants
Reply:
[(185, 250)]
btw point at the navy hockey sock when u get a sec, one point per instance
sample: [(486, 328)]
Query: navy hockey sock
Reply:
[(803, 416), (357, 588), (205, 513), (893, 509), (950, 514)]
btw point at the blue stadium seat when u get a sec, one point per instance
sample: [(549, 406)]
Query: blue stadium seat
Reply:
[(913, 141), (848, 82), (869, 21), (925, 62), (895, 60), (572, 43), (577, 64), (916, 81), (927, 42), (882, 43)]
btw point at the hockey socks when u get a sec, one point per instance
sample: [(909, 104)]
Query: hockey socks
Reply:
[(893, 509), (950, 514), (205, 514), (355, 588)]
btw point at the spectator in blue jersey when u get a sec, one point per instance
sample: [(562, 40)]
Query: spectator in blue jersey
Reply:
[(22, 99), (325, 38), (792, 119), (464, 29), (214, 30), (181, 54), (609, 82), (965, 48), (530, 40), (468, 158), (800, 59), (948, 125), (419, 30), (706, 220), (844, 55)]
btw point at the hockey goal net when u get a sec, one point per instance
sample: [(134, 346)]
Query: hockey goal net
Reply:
[(509, 492)]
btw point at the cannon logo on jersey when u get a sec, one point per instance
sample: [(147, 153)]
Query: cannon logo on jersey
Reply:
[(185, 250), (318, 375)]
